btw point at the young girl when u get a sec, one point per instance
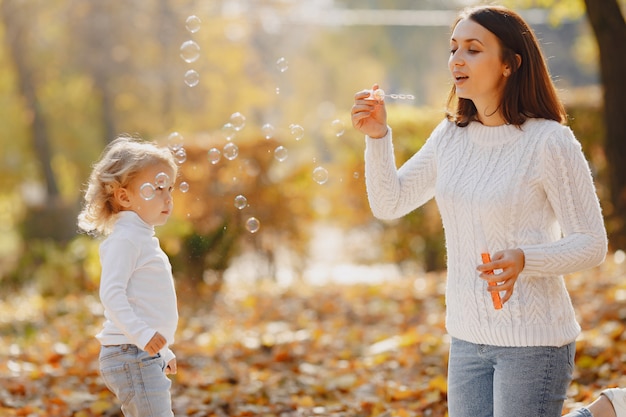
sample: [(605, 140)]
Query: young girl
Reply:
[(129, 192), (508, 175)]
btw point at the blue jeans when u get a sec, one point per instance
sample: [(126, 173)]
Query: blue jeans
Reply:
[(138, 380), (495, 381)]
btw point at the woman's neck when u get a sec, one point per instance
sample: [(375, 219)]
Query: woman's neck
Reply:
[(490, 115)]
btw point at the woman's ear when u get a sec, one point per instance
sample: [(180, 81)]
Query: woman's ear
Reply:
[(518, 62), (121, 197)]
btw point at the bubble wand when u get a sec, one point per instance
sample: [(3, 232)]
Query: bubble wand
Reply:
[(486, 258), (379, 95)]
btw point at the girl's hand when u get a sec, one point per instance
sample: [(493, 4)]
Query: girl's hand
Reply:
[(510, 262), (369, 115), (155, 344), (171, 367)]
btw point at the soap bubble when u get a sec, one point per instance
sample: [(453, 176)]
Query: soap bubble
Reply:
[(282, 64), (253, 225), (147, 191), (230, 151), (192, 78), (189, 51), (296, 131), (241, 202), (193, 23), (338, 127), (238, 121), (184, 186), (268, 130), (180, 156), (320, 175), (280, 153), (229, 131), (162, 180), (175, 141), (214, 155)]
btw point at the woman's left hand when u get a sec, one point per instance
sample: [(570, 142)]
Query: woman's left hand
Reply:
[(510, 263)]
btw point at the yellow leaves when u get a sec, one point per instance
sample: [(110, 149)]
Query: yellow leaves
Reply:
[(362, 350), (439, 383)]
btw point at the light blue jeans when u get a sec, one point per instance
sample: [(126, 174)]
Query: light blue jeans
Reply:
[(494, 381), (138, 380)]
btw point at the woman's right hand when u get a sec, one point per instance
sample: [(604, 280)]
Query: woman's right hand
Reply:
[(369, 115)]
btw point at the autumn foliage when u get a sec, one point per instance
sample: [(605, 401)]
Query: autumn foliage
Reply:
[(302, 350)]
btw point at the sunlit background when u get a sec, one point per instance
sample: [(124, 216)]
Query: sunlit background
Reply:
[(294, 301), (75, 74)]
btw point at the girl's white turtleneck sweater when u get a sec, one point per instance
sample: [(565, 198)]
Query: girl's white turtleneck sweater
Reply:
[(528, 188), (136, 286)]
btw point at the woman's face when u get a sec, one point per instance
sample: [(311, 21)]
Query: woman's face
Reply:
[(476, 65)]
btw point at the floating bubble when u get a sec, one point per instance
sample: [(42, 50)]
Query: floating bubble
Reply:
[(229, 131), (192, 78), (180, 156), (193, 24), (184, 186), (338, 127), (214, 155), (280, 153), (277, 90), (282, 64), (268, 130), (147, 191), (253, 225), (230, 151), (296, 131), (241, 202), (320, 175), (162, 180), (356, 175), (238, 121), (189, 51), (175, 141)]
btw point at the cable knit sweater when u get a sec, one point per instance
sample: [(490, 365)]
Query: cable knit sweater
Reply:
[(528, 188)]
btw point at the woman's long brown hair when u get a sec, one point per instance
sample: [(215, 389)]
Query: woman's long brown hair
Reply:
[(529, 91)]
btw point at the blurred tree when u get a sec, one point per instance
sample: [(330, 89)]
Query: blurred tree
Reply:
[(607, 21), (16, 20)]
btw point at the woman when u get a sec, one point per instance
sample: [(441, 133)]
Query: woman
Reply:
[(507, 175)]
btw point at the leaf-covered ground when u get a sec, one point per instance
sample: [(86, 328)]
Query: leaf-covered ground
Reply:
[(333, 350)]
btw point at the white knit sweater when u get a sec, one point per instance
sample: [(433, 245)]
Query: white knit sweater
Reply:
[(528, 188), (136, 286)]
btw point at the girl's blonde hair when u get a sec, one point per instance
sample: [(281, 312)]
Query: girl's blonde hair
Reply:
[(120, 162)]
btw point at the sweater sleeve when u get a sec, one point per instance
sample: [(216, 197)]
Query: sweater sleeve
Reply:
[(118, 262), (569, 187), (393, 192)]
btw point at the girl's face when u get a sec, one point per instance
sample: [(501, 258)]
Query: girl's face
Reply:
[(476, 65), (149, 194)]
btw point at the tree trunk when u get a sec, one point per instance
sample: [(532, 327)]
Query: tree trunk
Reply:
[(609, 27), (15, 19)]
